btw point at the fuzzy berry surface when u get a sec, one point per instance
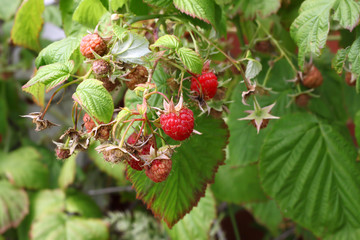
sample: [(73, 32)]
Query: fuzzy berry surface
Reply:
[(178, 125), (159, 170), (208, 85), (313, 78), (94, 42), (89, 123), (136, 76), (101, 67)]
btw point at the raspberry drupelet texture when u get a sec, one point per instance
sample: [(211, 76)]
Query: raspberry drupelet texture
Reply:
[(145, 150), (159, 170), (136, 76), (208, 85), (178, 125), (94, 42), (101, 67), (313, 78)]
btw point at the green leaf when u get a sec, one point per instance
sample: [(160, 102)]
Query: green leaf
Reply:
[(239, 185), (116, 4), (267, 214), (68, 171), (38, 93), (311, 172), (159, 3), (354, 56), (14, 205), (46, 202), (64, 227), (97, 101), (51, 75), (8, 9), (82, 205), (167, 41), (67, 8), (194, 164), (357, 126), (190, 59), (202, 9), (28, 23), (24, 169), (252, 69), (59, 51), (89, 12), (52, 15), (347, 12), (338, 61), (311, 27), (116, 171), (132, 49), (262, 8), (197, 223), (119, 32)]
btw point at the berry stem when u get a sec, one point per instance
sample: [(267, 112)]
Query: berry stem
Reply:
[(124, 134), (146, 96), (180, 92)]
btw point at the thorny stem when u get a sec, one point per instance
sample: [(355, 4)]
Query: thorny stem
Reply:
[(153, 70), (181, 84)]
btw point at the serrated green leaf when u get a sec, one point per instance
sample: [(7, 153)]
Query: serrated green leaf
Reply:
[(8, 9), (60, 51), (167, 41), (68, 171), (354, 56), (190, 59), (197, 223), (46, 202), (119, 32), (311, 27), (81, 204), (89, 12), (338, 61), (38, 93), (28, 23), (262, 8), (64, 227), (347, 12), (267, 214), (14, 205), (51, 75), (116, 171), (159, 3), (67, 8), (253, 68), (202, 9), (311, 172), (193, 166), (97, 101), (238, 185), (24, 169), (132, 49)]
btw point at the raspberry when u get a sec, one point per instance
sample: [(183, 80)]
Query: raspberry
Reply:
[(136, 76), (62, 153), (89, 123), (263, 124), (109, 85), (143, 150), (101, 67), (349, 80), (313, 78), (113, 155), (302, 100), (178, 124), (159, 170), (208, 85), (94, 42)]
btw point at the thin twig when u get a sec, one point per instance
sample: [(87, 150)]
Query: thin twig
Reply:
[(110, 190)]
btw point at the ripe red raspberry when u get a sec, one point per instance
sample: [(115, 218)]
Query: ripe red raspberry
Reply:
[(159, 170), (208, 85), (136, 76), (140, 149), (101, 67), (94, 42), (178, 124), (62, 153), (313, 78)]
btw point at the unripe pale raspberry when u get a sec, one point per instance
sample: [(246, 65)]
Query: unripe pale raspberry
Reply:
[(101, 67), (159, 170), (94, 42), (178, 125), (136, 76), (208, 85)]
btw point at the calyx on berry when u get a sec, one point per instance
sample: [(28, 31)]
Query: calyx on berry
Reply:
[(259, 116), (177, 121)]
